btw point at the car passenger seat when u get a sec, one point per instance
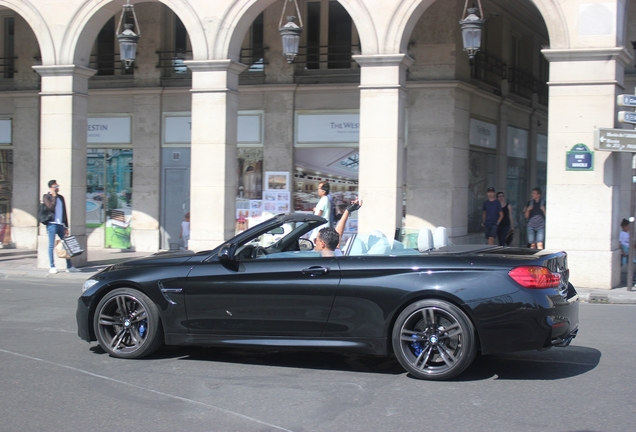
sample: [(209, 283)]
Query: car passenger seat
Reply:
[(378, 244), (358, 247), (425, 240), (440, 237)]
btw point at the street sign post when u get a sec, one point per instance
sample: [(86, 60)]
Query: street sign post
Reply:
[(623, 140), (626, 100), (627, 117)]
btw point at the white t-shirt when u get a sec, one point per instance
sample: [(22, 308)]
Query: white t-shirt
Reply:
[(185, 229), (323, 205)]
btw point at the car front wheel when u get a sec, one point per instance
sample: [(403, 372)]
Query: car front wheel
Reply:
[(434, 340), (127, 324)]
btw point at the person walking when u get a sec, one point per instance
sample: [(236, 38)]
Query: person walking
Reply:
[(59, 225), (491, 216), (535, 214), (185, 230), (507, 224)]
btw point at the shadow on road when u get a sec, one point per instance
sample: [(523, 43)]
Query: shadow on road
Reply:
[(557, 363)]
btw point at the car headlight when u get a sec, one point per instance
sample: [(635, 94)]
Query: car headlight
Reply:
[(88, 284)]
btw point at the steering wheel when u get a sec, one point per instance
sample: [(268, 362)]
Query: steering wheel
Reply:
[(258, 252)]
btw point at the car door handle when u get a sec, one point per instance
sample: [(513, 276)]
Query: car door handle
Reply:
[(315, 271)]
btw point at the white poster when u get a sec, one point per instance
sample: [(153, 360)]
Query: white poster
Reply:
[(483, 134), (5, 131), (327, 128), (517, 143), (108, 130), (178, 129)]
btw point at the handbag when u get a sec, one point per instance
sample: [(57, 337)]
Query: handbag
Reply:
[(71, 246), (44, 214), (60, 250), (510, 237)]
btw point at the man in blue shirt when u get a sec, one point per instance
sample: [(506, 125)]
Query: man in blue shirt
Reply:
[(491, 216)]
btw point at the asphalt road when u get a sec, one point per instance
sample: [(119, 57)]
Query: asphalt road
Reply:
[(50, 380)]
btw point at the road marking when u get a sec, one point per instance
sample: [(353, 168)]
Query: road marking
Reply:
[(223, 410)]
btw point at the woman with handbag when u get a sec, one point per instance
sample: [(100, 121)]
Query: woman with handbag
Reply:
[(506, 229), (55, 203)]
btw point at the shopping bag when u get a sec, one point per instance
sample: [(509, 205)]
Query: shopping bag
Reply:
[(72, 246), (60, 250)]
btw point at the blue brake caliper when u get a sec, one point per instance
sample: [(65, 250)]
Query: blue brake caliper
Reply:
[(416, 346), (142, 328)]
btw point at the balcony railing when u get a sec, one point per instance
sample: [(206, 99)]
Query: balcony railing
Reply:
[(7, 67), (521, 83), (109, 65), (327, 56), (492, 71), (173, 64), (254, 58), (489, 69)]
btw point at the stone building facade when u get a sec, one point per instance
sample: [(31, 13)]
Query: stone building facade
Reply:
[(381, 100)]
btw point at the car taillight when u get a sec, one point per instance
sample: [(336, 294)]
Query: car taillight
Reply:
[(535, 277)]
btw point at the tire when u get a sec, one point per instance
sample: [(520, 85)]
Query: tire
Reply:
[(434, 340), (127, 324)]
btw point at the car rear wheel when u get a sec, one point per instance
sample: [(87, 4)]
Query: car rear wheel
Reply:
[(434, 340), (127, 324)]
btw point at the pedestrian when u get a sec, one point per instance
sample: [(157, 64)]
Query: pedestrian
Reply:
[(491, 216), (59, 225), (185, 230), (324, 207), (507, 224), (623, 238), (535, 214)]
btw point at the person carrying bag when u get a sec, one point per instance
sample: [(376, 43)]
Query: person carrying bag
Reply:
[(57, 225)]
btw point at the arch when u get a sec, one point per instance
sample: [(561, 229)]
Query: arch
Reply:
[(93, 14), (410, 11), (242, 13), (38, 25)]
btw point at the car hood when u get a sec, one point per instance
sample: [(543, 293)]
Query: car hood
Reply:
[(158, 259)]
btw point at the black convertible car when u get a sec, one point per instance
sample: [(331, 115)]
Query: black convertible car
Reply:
[(433, 306)]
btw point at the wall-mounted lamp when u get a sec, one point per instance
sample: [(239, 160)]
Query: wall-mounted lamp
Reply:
[(472, 26), (128, 38), (290, 32)]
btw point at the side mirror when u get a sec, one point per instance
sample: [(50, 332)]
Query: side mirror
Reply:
[(225, 253), (305, 245)]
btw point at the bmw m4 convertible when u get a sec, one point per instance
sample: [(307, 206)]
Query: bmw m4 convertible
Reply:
[(432, 305)]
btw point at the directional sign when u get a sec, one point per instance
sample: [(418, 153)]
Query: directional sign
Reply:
[(622, 140), (627, 117), (626, 100)]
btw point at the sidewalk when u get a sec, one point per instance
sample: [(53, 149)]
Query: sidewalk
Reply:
[(23, 263), (15, 263)]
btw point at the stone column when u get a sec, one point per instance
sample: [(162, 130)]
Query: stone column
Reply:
[(26, 140), (146, 170), (583, 87), (214, 161), (382, 115), (63, 120)]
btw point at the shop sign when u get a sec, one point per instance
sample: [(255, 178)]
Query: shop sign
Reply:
[(178, 129), (5, 131), (108, 130), (483, 134), (327, 128), (580, 158)]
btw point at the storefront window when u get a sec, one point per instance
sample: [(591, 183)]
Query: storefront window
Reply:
[(249, 195), (482, 176), (6, 187), (109, 182), (517, 191)]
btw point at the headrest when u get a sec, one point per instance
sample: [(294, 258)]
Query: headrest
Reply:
[(425, 240), (440, 238)]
